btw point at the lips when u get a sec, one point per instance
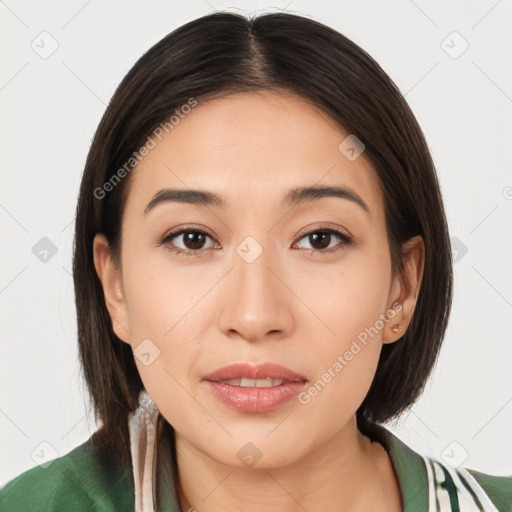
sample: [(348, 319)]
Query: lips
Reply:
[(262, 371), (254, 389)]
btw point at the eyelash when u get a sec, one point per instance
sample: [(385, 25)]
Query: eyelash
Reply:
[(346, 240)]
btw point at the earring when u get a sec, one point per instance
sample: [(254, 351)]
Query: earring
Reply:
[(396, 328)]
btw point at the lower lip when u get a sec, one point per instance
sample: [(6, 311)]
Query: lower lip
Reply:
[(255, 399)]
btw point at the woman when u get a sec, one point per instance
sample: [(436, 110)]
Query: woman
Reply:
[(263, 277)]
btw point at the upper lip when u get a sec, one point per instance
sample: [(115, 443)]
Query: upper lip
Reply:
[(261, 371)]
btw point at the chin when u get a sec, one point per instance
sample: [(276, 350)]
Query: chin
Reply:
[(256, 450)]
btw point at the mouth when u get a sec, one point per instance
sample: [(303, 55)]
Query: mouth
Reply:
[(244, 382), (261, 372), (254, 389)]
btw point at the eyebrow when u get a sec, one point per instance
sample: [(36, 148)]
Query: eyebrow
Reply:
[(293, 197)]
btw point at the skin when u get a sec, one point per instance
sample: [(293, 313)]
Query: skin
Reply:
[(289, 306)]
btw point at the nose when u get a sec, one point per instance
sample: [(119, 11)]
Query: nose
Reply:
[(257, 303)]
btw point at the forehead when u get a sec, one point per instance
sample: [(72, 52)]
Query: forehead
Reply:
[(252, 147)]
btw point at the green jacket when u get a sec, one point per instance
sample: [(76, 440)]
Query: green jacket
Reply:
[(77, 482)]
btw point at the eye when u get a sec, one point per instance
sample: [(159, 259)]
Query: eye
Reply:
[(194, 240), (321, 240)]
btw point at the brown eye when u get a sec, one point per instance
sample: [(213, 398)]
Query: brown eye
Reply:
[(321, 239), (192, 240)]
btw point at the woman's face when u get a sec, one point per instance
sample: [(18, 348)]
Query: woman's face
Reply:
[(266, 283)]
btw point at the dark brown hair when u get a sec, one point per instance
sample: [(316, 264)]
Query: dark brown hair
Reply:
[(219, 54)]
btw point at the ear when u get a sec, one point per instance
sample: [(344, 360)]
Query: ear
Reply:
[(111, 282), (405, 289)]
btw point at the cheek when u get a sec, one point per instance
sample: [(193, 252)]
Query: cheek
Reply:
[(351, 307), (159, 293), (347, 299), (166, 319), (161, 309)]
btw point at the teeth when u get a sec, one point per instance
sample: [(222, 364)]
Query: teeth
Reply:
[(253, 383)]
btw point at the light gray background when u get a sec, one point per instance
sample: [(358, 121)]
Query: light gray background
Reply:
[(51, 107)]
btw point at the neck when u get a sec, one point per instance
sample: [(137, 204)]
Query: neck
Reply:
[(349, 472)]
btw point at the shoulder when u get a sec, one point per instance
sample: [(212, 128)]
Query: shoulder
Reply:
[(429, 483), (483, 491), (497, 488), (76, 481)]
